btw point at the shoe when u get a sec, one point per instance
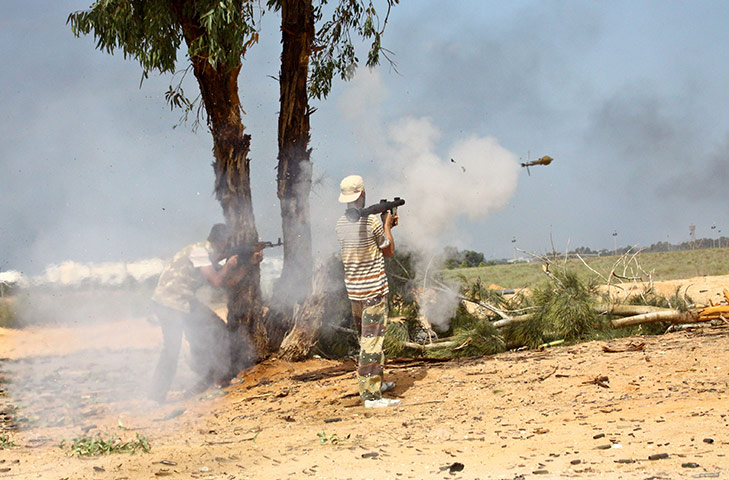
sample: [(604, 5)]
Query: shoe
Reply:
[(382, 403), (387, 386)]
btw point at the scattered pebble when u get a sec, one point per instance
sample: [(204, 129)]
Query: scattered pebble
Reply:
[(456, 467), (599, 435), (370, 455), (625, 460), (708, 440), (690, 465), (606, 446), (332, 420), (541, 471), (576, 461), (99, 469), (658, 456)]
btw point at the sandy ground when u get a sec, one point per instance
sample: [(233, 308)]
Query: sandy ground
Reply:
[(573, 411)]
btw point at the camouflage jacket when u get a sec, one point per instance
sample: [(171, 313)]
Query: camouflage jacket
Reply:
[(182, 277)]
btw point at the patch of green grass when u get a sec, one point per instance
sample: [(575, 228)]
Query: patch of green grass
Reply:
[(93, 446), (661, 265)]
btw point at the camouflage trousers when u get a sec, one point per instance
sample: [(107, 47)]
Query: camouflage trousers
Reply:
[(371, 314)]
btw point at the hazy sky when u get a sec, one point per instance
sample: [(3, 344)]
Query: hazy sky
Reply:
[(629, 97)]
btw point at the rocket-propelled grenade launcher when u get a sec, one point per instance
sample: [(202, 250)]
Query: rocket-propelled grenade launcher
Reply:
[(354, 214)]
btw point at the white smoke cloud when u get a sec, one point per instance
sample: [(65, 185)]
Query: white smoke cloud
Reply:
[(469, 178), (475, 177)]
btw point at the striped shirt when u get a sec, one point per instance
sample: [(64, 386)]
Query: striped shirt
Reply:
[(364, 263)]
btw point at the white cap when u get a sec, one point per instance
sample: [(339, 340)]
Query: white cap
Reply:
[(351, 187)]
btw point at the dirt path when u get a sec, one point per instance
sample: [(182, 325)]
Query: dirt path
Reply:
[(536, 414)]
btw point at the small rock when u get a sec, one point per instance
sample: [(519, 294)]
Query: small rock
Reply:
[(625, 460), (99, 469), (690, 465), (599, 435), (541, 471), (576, 461), (606, 446), (708, 440), (658, 456), (370, 455), (456, 467)]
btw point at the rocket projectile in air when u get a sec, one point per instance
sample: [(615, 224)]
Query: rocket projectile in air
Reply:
[(545, 160)]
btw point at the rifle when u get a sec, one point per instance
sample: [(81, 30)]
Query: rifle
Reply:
[(354, 214), (246, 250)]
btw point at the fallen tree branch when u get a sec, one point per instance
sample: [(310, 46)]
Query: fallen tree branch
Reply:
[(429, 346), (629, 310), (509, 321), (673, 316)]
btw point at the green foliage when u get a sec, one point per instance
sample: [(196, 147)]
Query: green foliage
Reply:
[(478, 340), (396, 334), (454, 258), (6, 442), (566, 309), (401, 284), (332, 439), (677, 301), (529, 333), (333, 52), (152, 31), (92, 446)]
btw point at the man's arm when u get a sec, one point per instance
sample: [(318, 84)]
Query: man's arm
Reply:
[(217, 278), (389, 221)]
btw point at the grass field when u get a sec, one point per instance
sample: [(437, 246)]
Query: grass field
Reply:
[(661, 266)]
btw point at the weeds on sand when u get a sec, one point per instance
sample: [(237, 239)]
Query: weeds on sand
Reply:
[(6, 442), (332, 439), (93, 446)]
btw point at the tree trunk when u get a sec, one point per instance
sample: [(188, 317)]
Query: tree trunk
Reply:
[(294, 164), (219, 92)]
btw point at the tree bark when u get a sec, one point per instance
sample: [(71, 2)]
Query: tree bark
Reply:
[(219, 92), (628, 310), (673, 316), (294, 164)]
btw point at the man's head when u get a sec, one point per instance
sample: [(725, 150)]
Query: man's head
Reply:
[(352, 188), (219, 236)]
